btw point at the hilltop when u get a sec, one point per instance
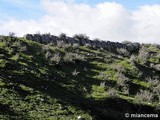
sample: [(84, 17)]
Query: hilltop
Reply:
[(57, 78)]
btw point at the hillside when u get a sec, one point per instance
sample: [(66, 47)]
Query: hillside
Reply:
[(64, 81)]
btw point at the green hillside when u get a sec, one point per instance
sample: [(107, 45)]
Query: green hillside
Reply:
[(72, 82)]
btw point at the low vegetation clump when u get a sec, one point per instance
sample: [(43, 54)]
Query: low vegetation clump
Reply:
[(144, 96), (112, 93)]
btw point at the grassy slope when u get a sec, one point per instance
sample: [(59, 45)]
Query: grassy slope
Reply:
[(32, 87)]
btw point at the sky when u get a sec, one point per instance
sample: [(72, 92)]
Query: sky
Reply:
[(114, 20)]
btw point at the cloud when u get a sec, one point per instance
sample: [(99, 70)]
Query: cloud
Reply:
[(147, 24), (107, 21)]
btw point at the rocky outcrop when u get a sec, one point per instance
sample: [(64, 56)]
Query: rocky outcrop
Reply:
[(46, 38)]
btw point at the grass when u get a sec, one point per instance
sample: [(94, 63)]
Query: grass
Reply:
[(33, 87)]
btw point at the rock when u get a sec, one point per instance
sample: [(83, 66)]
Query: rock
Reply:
[(83, 42)]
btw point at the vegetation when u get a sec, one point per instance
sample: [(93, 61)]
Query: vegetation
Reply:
[(55, 82)]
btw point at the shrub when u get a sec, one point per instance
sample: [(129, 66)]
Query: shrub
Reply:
[(103, 84), (103, 76), (143, 55), (45, 48), (79, 57), (112, 93), (1, 39), (156, 89), (118, 68), (153, 82), (88, 45), (62, 36), (126, 42), (144, 96), (75, 72), (96, 39), (16, 57), (48, 55), (56, 58), (69, 57), (22, 48), (17, 44), (81, 37), (38, 32), (157, 67), (75, 45), (125, 89), (12, 34), (67, 46), (122, 51), (133, 58), (60, 44), (121, 79)]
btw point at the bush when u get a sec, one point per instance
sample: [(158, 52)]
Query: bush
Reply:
[(22, 48), (69, 57), (118, 68), (56, 58), (121, 79), (88, 45), (12, 34), (157, 67), (103, 84), (62, 36), (112, 93), (133, 58), (125, 89), (45, 48), (144, 96), (153, 82), (103, 76), (60, 44), (75, 45), (126, 42), (79, 57), (156, 89), (48, 55), (143, 56), (81, 37), (75, 73), (17, 44), (122, 51)]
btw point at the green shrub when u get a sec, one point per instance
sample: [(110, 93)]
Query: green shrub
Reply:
[(56, 58), (48, 55), (69, 57), (75, 72), (125, 89), (103, 84), (122, 51), (121, 79), (118, 68), (112, 93), (143, 56), (81, 37), (12, 34), (103, 76), (60, 44), (144, 96)]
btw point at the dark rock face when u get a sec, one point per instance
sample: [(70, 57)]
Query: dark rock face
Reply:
[(96, 44)]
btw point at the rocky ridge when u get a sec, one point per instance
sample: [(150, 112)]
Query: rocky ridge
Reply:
[(47, 38)]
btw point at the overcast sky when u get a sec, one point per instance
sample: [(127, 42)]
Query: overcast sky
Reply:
[(114, 20)]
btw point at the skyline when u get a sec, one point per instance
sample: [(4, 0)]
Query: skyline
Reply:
[(117, 20)]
